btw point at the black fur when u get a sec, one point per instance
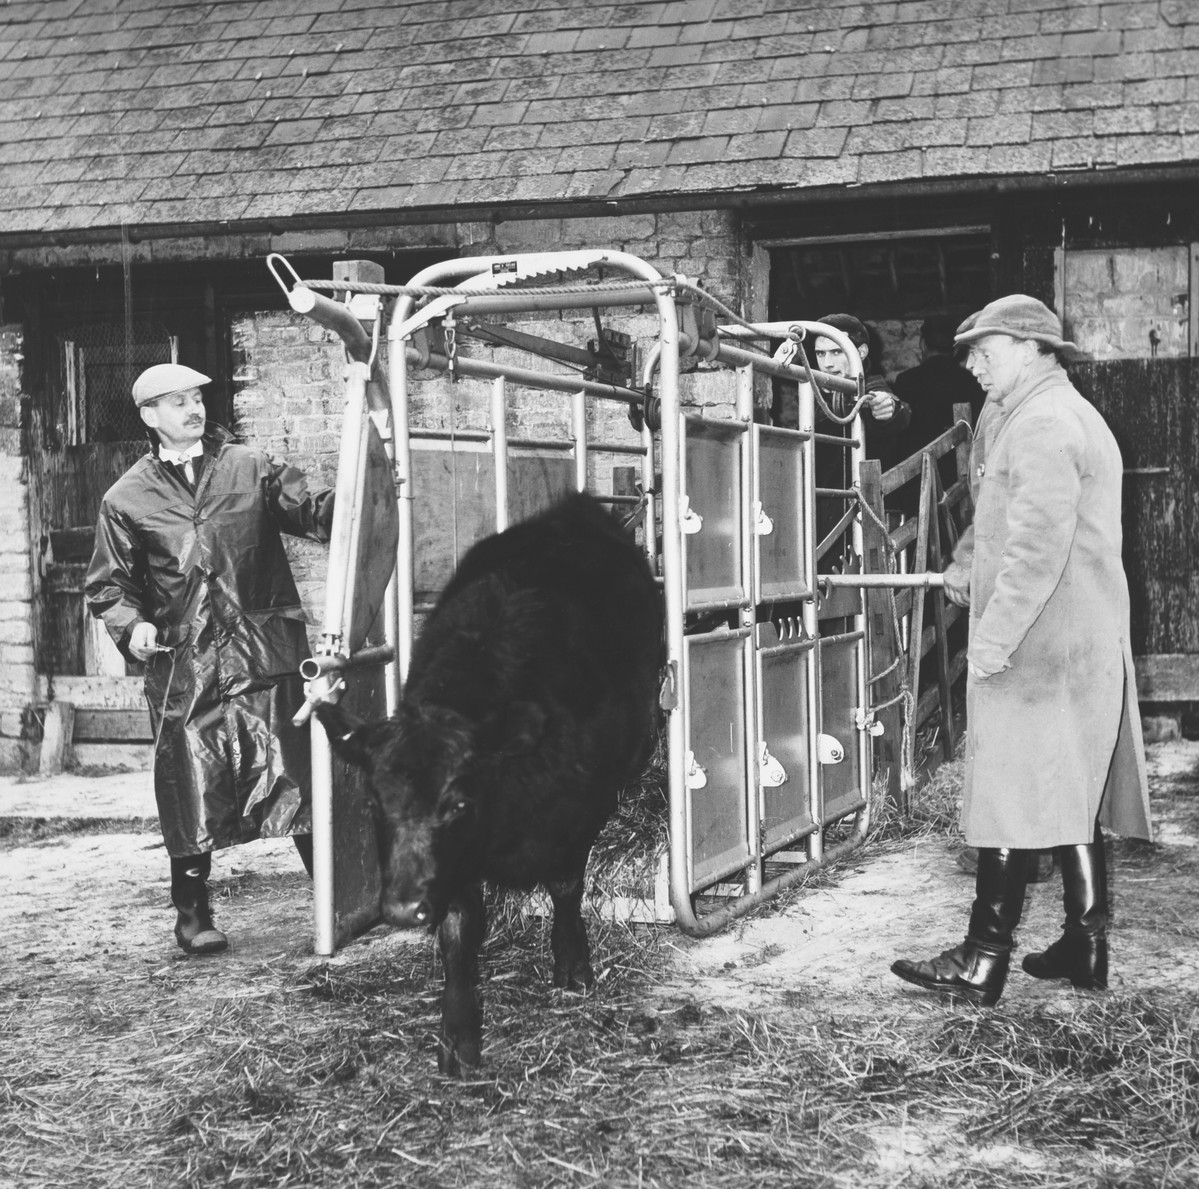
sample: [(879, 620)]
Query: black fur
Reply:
[(531, 699)]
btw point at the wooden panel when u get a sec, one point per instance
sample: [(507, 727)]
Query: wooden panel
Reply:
[(76, 479), (454, 494), (1168, 678), (63, 649), (66, 487), (129, 726), (114, 693), (1149, 405)]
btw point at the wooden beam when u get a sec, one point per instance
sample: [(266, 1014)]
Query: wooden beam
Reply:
[(930, 701), (110, 726), (884, 648), (1168, 677), (56, 738), (910, 468)]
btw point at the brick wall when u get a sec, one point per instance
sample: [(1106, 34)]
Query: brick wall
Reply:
[(16, 607), (289, 372), (290, 386)]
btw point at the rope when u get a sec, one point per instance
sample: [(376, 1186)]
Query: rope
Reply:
[(162, 713), (824, 408)]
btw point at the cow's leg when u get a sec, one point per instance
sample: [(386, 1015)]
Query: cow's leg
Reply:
[(572, 953), (460, 936)]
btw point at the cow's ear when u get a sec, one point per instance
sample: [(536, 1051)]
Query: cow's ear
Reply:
[(351, 738)]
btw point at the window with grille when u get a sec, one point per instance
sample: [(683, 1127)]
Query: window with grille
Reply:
[(100, 361)]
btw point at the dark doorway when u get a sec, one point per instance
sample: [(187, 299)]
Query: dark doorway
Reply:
[(88, 332)]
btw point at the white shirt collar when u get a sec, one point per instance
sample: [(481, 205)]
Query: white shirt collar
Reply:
[(181, 456)]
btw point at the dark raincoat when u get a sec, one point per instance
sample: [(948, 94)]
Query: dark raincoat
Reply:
[(209, 570)]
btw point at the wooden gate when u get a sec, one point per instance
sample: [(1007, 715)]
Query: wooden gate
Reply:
[(1150, 406)]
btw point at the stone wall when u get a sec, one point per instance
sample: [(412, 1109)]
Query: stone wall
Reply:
[(16, 590)]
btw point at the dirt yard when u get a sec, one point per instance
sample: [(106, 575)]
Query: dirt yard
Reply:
[(782, 1052)]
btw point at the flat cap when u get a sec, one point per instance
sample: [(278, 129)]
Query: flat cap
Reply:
[(163, 379), (1022, 317), (848, 325)]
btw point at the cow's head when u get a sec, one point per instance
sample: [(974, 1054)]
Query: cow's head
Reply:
[(427, 813)]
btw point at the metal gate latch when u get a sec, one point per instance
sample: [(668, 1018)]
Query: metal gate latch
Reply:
[(763, 525), (690, 521), (829, 749), (770, 772), (864, 720), (697, 778)]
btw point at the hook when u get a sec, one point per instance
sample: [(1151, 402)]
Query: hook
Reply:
[(284, 262)]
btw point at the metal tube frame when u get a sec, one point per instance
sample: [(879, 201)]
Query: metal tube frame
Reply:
[(665, 502)]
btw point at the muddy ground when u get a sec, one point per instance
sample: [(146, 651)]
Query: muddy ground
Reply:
[(86, 922)]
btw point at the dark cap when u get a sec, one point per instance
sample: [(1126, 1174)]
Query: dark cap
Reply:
[(850, 326)]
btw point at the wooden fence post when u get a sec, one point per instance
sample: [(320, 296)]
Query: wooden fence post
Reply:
[(883, 647)]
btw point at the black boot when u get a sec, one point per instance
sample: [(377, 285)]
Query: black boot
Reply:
[(1080, 954), (1039, 872), (194, 930), (977, 969)]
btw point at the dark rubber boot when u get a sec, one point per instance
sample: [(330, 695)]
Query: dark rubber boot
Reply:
[(194, 930), (1080, 954), (977, 969)]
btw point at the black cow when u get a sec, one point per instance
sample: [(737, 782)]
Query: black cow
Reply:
[(531, 699)]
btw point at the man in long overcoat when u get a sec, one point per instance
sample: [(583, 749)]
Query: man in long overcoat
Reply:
[(1053, 730), (190, 577)]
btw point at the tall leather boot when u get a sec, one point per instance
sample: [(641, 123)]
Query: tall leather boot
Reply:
[(1080, 954), (977, 969), (194, 930)]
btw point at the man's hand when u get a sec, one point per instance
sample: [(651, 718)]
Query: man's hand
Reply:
[(143, 641), (956, 585), (881, 405)]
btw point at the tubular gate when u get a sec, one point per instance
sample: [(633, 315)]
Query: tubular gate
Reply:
[(765, 686)]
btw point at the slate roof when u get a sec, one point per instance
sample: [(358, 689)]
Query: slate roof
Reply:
[(168, 112)]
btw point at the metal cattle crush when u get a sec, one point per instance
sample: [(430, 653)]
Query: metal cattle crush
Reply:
[(765, 688)]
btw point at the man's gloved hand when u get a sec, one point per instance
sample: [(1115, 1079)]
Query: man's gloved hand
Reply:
[(881, 405), (956, 584), (143, 641)]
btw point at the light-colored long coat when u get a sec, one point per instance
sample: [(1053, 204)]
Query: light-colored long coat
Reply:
[(1053, 729)]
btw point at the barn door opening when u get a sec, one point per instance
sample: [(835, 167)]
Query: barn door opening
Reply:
[(892, 281), (91, 434)]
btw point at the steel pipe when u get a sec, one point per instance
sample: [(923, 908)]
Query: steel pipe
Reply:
[(315, 666)]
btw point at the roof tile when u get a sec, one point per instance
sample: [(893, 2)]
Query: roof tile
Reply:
[(788, 116), (1000, 129), (186, 112)]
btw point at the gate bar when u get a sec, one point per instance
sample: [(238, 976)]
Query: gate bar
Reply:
[(925, 579)]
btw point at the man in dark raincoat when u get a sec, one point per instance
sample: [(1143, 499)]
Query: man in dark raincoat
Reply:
[(1053, 747), (190, 577)]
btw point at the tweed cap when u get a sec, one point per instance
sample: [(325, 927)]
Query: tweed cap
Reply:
[(1022, 317), (164, 379)]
